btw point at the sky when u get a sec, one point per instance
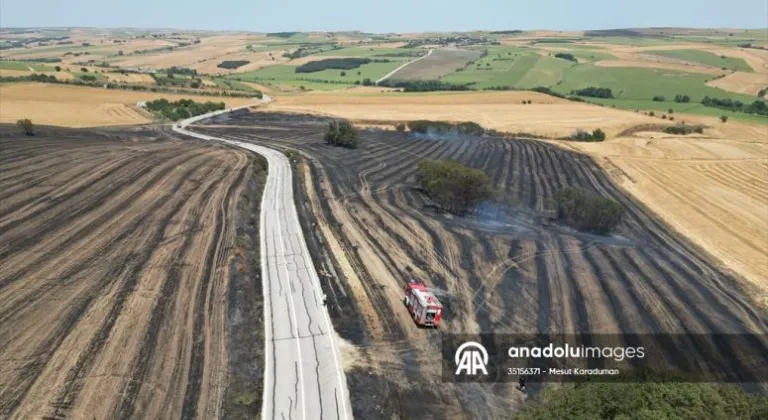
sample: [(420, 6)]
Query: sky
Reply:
[(389, 16)]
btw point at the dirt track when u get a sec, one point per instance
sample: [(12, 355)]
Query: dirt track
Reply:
[(508, 276), (116, 251)]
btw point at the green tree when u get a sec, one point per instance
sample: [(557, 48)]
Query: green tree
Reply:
[(645, 400), (342, 133), (723, 118), (456, 188), (58, 68), (584, 210), (26, 126)]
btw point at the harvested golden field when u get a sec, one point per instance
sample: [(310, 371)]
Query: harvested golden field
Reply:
[(712, 190), (117, 258), (130, 78), (74, 106), (203, 56), (658, 64), (499, 110), (741, 82)]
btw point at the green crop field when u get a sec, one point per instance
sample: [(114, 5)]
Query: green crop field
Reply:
[(286, 74), (643, 84), (706, 58), (25, 65)]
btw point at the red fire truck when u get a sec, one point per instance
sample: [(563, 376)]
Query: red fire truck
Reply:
[(424, 307)]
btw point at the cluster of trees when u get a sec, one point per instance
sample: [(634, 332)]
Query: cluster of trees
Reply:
[(88, 77), (183, 108), (758, 107), (594, 92), (181, 70), (659, 98), (583, 135), (683, 129), (342, 133), (456, 188), (443, 127), (335, 64), (584, 210), (682, 99), (232, 64), (566, 56), (646, 399), (422, 85)]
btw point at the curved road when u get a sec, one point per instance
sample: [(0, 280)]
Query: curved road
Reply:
[(303, 376)]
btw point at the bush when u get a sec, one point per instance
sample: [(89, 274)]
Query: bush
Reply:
[(670, 111), (583, 210), (83, 69), (594, 92), (343, 74), (342, 133), (58, 68), (400, 127), (723, 118), (335, 64), (682, 98), (683, 129), (581, 135), (87, 78), (232, 64), (367, 82), (26, 126), (456, 188), (658, 98)]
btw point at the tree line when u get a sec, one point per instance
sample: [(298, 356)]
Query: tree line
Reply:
[(456, 188), (183, 108), (758, 107), (422, 85), (443, 127)]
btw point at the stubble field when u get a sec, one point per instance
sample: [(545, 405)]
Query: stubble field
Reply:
[(73, 106), (507, 275), (117, 249)]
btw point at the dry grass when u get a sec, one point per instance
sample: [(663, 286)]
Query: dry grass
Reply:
[(499, 110), (713, 189), (130, 78), (740, 82), (73, 106)]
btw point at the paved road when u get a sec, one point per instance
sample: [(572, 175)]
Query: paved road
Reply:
[(303, 375)]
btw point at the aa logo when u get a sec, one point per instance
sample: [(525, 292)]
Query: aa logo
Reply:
[(471, 358)]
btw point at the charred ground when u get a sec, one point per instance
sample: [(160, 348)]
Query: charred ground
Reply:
[(126, 258), (507, 275)]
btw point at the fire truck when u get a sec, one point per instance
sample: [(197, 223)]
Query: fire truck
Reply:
[(422, 304)]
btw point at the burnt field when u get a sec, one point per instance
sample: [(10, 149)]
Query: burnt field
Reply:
[(499, 271), (123, 254)]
